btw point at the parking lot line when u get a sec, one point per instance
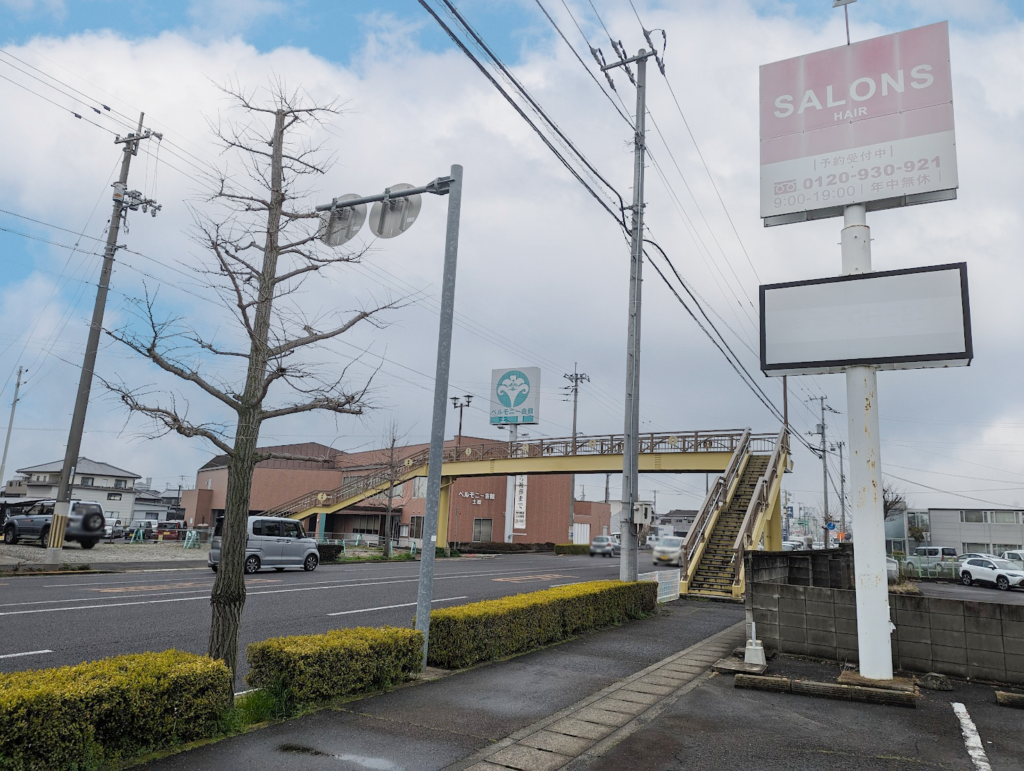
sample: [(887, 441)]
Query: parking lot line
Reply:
[(389, 607), (26, 653), (972, 739)]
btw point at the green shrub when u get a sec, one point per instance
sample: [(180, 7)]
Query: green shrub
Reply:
[(481, 631), (572, 548), (329, 552), (97, 713), (316, 669), (499, 547)]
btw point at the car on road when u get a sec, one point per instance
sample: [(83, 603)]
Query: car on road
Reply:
[(1003, 574), (147, 526), (1014, 556), (793, 546), (605, 545), (669, 551), (272, 542), (85, 523)]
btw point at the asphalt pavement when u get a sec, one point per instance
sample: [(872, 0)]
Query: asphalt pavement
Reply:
[(64, 619), (976, 593)]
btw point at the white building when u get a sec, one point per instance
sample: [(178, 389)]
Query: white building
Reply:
[(967, 530), (110, 486)]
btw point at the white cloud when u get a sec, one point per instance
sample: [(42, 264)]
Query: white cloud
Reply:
[(542, 271), (230, 17)]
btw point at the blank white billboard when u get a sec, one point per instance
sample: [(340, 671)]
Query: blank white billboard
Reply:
[(900, 319)]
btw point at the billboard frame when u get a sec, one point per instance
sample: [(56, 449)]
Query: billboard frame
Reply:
[(884, 362)]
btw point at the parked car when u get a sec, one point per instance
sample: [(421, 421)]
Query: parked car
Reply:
[(113, 529), (976, 555), (1002, 573), (147, 526), (171, 530), (892, 570), (85, 523), (1014, 556), (793, 546), (652, 541), (605, 545), (273, 542), (926, 556), (669, 551)]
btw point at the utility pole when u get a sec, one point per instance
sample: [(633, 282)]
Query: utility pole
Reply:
[(630, 461), (842, 491), (607, 484), (460, 405), (10, 425), (574, 387), (123, 199)]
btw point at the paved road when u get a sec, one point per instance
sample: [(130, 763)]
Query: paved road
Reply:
[(57, 620), (976, 593)]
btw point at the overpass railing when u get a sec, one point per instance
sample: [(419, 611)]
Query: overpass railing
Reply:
[(603, 444)]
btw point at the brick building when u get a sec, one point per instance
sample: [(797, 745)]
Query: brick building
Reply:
[(524, 509)]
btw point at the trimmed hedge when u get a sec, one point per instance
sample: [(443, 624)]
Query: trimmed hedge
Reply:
[(100, 712), (329, 552), (572, 548), (481, 631), (315, 669), (499, 547)]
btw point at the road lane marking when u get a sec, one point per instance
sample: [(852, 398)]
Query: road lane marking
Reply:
[(389, 607), (523, 579), (348, 585), (972, 739), (26, 653)]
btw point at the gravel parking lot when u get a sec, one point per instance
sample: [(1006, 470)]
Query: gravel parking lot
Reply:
[(104, 552)]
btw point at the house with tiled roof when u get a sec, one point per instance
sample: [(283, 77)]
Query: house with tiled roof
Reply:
[(108, 485)]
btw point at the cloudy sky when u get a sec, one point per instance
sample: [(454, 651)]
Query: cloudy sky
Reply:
[(543, 269)]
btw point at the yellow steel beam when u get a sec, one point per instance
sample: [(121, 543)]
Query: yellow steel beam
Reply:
[(650, 463)]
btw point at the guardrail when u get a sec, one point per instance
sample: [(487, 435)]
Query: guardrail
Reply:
[(758, 504), (603, 444), (714, 500)]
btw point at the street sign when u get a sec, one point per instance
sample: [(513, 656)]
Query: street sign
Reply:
[(831, 525), (897, 319), (340, 226), (394, 216), (515, 395), (869, 122)]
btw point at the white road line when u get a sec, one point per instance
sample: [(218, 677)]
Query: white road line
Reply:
[(348, 585), (26, 653), (389, 607), (972, 739)]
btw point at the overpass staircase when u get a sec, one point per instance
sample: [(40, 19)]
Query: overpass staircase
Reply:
[(741, 510)]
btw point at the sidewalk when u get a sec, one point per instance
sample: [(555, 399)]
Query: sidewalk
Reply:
[(495, 709)]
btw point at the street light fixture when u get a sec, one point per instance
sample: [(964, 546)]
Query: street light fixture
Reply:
[(459, 405)]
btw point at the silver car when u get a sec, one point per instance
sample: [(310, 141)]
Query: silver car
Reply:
[(669, 551), (273, 542)]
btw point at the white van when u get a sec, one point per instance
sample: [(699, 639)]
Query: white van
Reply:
[(1017, 555), (273, 542)]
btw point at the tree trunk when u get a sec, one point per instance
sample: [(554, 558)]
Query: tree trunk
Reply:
[(228, 596)]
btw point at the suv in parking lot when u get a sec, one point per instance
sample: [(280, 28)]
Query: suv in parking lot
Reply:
[(273, 542), (85, 523)]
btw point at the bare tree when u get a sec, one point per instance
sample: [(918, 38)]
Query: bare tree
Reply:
[(893, 498), (262, 247), (389, 459)]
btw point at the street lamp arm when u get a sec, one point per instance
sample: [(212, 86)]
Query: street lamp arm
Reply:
[(439, 186)]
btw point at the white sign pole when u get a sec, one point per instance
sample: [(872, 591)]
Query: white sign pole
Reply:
[(873, 627)]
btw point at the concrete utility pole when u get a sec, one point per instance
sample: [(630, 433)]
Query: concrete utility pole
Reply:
[(630, 450), (842, 491), (873, 627), (123, 198), (574, 387), (10, 425), (460, 405)]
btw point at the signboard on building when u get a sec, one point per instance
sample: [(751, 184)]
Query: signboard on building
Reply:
[(515, 395), (897, 319), (519, 503), (868, 123)]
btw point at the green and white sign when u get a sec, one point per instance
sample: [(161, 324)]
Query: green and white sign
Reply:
[(515, 395)]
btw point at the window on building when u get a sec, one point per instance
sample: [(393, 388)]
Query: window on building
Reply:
[(999, 548), (984, 548), (919, 520), (419, 487), (416, 526), (88, 481), (972, 516), (113, 496), (482, 530), (366, 524), (120, 484), (1004, 517)]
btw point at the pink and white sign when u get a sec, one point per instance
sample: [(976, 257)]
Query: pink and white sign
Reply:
[(872, 121)]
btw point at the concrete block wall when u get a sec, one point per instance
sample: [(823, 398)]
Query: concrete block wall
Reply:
[(978, 640)]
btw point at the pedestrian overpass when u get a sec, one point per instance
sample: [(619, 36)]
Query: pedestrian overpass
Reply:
[(741, 509)]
